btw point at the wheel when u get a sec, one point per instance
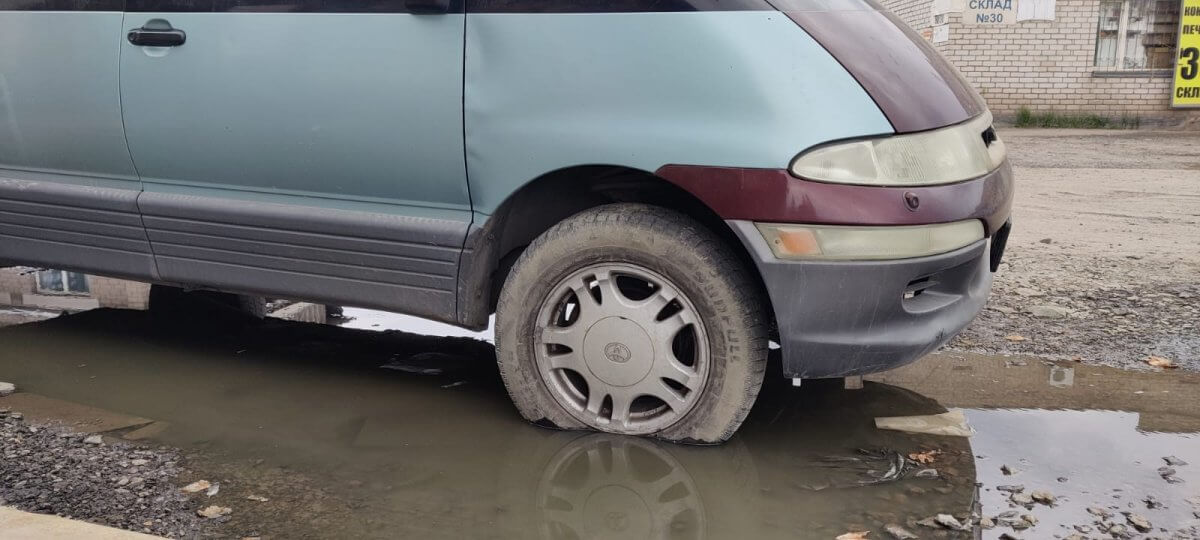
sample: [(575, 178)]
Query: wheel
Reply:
[(632, 319)]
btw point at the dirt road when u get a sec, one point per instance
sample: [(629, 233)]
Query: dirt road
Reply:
[(1103, 265)]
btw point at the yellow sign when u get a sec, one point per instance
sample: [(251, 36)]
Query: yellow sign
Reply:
[(1186, 92)]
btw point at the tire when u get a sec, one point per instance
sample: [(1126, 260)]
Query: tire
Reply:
[(701, 358)]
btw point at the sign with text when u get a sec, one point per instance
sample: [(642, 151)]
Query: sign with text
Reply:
[(990, 12), (1186, 90)]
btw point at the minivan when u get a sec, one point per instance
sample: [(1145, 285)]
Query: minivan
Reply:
[(646, 194)]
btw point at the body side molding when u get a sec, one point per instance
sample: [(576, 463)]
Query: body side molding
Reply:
[(84, 228), (366, 259)]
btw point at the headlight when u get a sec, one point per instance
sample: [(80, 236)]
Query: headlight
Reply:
[(940, 156), (835, 242)]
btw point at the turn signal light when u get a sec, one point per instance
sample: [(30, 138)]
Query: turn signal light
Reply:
[(835, 242)]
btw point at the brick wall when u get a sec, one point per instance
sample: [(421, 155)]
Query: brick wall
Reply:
[(914, 12), (1046, 65), (18, 286), (119, 293)]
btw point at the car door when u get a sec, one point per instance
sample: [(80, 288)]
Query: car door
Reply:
[(68, 188), (301, 148)]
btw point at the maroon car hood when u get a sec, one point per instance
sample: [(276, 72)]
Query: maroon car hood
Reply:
[(910, 81)]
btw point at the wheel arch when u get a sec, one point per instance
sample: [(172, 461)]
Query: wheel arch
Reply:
[(492, 247)]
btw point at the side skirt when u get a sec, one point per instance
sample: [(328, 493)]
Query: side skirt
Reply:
[(365, 259), (88, 229)]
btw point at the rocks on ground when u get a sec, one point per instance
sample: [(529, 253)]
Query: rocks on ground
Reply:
[(48, 470)]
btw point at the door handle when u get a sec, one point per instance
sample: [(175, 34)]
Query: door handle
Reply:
[(427, 7), (149, 37)]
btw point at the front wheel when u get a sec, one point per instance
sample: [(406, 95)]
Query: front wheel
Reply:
[(632, 319)]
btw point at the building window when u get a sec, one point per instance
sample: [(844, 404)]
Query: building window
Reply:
[(62, 282), (1137, 34)]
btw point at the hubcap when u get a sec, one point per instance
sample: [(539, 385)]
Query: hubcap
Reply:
[(621, 348), (618, 351)]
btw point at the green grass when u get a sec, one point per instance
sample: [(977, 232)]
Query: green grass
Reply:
[(1030, 119)]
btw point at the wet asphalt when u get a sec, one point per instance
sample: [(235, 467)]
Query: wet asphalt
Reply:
[(353, 433)]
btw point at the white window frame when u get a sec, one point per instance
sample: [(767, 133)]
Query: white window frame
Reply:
[(1122, 37), (66, 290)]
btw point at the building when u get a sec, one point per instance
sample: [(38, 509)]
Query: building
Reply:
[(1111, 58), (69, 291)]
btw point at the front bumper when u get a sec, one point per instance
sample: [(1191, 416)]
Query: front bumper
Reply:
[(855, 317)]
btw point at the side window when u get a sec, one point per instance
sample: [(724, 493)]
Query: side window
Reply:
[(62, 282)]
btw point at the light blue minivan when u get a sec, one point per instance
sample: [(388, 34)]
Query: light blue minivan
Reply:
[(644, 192)]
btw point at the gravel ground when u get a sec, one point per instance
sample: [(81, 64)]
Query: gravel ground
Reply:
[(1103, 265), (48, 470)]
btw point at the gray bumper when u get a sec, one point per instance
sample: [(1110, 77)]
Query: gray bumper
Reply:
[(851, 318)]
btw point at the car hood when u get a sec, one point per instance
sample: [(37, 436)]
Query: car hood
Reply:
[(914, 86)]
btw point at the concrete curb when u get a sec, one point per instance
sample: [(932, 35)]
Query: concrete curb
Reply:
[(18, 524)]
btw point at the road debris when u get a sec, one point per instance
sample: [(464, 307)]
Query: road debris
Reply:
[(1139, 522), (1174, 461), (1011, 518), (214, 511), (257, 498), (869, 467), (926, 473), (1168, 473), (1006, 470), (859, 535), (952, 423), (1044, 497), (7, 388), (1160, 362), (1023, 499), (1115, 530), (196, 487), (899, 533), (926, 457), (942, 521), (93, 439)]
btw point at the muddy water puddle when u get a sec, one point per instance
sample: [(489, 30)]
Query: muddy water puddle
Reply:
[(304, 416)]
